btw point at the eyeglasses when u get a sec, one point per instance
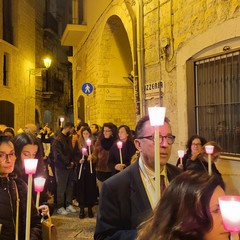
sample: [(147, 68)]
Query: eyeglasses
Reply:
[(5, 157), (169, 138)]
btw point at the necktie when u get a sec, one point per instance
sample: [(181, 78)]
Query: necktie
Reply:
[(162, 184)]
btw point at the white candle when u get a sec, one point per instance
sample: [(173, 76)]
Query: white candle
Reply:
[(209, 150), (30, 168), (180, 155), (119, 145), (38, 187), (84, 152), (157, 116), (89, 142)]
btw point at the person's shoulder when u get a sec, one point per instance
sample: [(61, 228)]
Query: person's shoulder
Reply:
[(173, 169)]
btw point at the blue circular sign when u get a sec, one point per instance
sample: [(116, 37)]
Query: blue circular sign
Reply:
[(87, 88)]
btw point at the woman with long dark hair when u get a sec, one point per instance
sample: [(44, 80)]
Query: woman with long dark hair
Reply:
[(101, 150), (11, 189), (86, 188), (188, 210), (27, 146)]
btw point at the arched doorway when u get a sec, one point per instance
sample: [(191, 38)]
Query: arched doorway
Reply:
[(81, 108)]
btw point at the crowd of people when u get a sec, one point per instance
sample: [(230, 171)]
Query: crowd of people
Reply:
[(84, 165)]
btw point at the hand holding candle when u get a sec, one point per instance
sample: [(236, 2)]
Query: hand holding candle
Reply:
[(30, 168), (209, 150), (38, 187), (180, 155), (89, 142), (119, 145)]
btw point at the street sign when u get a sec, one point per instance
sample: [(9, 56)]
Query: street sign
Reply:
[(87, 88)]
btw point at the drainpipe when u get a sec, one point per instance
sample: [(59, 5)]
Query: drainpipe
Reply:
[(141, 58), (135, 60), (75, 12)]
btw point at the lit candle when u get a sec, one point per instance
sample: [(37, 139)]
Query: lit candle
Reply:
[(38, 187), (156, 116), (30, 168), (61, 121), (180, 155), (230, 210), (84, 152), (119, 145), (209, 150), (89, 142)]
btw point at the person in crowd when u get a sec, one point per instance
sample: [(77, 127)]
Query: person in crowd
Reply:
[(194, 145), (64, 169), (8, 131), (188, 210), (11, 187), (128, 197), (95, 130), (199, 161), (86, 187), (127, 151), (76, 133), (47, 139), (27, 146), (101, 151), (30, 128)]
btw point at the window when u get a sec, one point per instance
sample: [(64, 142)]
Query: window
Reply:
[(5, 70), (217, 100), (7, 21)]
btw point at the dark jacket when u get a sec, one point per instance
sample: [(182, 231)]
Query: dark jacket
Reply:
[(8, 211), (86, 186), (200, 165), (124, 204), (128, 150), (62, 151)]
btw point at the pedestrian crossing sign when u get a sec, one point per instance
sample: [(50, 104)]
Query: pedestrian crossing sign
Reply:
[(87, 88)]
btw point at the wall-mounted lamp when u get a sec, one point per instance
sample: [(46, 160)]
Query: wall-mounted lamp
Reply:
[(47, 63)]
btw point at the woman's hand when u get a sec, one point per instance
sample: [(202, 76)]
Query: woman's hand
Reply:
[(81, 161), (120, 166), (44, 209)]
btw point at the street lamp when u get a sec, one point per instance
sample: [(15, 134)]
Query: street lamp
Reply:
[(47, 63)]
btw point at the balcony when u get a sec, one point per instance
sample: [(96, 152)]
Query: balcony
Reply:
[(73, 34)]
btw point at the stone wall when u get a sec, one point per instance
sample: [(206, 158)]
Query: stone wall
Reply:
[(21, 88)]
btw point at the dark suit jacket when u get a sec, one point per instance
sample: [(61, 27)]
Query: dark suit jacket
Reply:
[(124, 204)]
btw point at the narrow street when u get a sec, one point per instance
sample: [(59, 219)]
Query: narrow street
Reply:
[(71, 227)]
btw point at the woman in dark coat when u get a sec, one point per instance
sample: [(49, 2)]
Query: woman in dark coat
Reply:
[(9, 186), (194, 145), (127, 151), (27, 146), (86, 187), (199, 161)]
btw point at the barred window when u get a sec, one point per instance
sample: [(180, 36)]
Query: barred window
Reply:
[(217, 100)]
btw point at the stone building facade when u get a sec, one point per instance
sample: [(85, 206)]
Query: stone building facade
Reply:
[(153, 42), (29, 32), (17, 57)]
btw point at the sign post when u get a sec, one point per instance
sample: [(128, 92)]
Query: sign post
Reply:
[(87, 88)]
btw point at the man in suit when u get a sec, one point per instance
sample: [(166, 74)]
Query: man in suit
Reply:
[(128, 197)]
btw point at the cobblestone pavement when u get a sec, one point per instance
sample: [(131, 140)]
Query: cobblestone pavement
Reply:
[(71, 227)]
